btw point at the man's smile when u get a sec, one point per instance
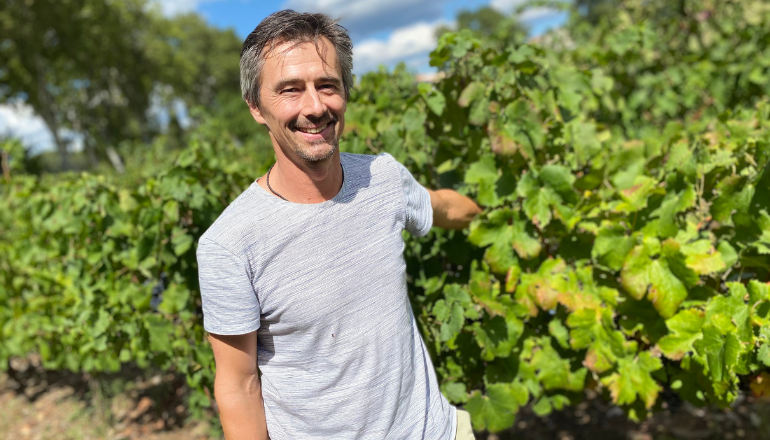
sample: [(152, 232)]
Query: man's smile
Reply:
[(313, 130)]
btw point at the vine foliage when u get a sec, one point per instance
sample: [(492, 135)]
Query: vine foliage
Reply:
[(624, 246)]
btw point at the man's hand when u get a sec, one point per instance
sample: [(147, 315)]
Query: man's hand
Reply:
[(237, 388), (452, 210)]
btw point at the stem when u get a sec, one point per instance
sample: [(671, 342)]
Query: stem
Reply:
[(4, 164)]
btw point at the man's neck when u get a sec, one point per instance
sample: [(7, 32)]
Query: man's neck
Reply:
[(302, 182)]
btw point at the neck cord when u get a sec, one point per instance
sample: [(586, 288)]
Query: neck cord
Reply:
[(268, 183), (267, 179)]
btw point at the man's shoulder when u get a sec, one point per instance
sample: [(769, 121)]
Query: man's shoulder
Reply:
[(369, 165), (236, 225), (362, 159)]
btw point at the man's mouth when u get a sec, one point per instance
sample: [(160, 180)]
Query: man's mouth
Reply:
[(313, 130)]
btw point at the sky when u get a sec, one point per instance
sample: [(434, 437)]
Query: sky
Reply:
[(384, 32)]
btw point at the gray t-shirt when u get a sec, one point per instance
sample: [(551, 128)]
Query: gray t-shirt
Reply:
[(325, 286)]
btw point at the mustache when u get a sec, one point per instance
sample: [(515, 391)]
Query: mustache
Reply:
[(330, 119)]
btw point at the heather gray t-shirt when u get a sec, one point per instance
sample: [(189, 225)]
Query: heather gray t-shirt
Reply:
[(325, 286)]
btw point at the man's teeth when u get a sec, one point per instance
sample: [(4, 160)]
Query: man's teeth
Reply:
[(313, 130)]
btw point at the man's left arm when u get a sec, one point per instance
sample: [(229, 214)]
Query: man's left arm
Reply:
[(452, 210)]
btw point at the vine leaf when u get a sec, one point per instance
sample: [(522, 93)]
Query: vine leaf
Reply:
[(720, 352), (611, 246), (684, 329), (633, 379), (594, 329), (497, 410), (645, 273), (553, 371)]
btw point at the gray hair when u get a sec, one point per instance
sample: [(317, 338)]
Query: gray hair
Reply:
[(291, 27)]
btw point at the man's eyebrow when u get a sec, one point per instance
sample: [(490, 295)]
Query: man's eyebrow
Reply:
[(291, 81)]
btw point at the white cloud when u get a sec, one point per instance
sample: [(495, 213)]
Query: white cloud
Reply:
[(366, 17), (350, 9), (530, 14), (174, 7), (404, 44), (20, 121)]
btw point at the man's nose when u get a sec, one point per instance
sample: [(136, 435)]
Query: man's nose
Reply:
[(312, 104)]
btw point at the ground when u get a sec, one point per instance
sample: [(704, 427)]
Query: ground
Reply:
[(41, 405)]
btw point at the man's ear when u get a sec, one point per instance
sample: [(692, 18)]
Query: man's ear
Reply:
[(257, 115)]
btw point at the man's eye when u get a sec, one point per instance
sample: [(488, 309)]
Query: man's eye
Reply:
[(289, 90)]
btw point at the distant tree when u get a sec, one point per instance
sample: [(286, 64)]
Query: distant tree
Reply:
[(80, 64), (494, 28), (594, 10), (95, 67)]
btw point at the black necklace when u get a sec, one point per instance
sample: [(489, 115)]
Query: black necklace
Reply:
[(268, 183), (267, 179)]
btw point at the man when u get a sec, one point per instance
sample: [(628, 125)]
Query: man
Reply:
[(303, 277)]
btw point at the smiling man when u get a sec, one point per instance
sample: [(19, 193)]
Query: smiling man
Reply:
[(303, 277)]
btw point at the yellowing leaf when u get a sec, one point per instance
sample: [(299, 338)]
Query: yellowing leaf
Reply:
[(633, 380), (646, 274)]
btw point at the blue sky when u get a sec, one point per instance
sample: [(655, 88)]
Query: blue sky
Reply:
[(384, 32)]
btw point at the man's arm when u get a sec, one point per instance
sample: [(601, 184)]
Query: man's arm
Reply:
[(452, 210), (237, 388)]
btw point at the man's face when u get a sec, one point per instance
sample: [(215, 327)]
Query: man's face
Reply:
[(302, 100)]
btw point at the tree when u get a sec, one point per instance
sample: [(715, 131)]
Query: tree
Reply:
[(95, 67), (80, 64), (494, 28)]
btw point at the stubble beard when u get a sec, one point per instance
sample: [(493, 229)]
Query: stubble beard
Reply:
[(305, 154), (320, 156)]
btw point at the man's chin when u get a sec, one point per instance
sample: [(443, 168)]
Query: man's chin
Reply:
[(317, 154)]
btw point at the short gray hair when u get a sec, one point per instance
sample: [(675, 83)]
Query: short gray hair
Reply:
[(291, 27)]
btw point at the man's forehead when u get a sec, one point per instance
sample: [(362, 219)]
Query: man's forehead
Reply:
[(279, 49), (276, 54)]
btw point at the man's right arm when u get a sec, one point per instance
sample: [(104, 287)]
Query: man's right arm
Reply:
[(237, 388)]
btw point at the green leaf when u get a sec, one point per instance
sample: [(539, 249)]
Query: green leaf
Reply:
[(558, 177), (433, 98), (127, 202), (636, 196), (633, 379), (763, 242), (479, 113), (451, 328), (594, 329), (720, 352), (497, 410), (553, 371), (471, 92), (728, 253), (455, 392), (672, 204), (702, 258), (611, 246), (483, 170), (559, 332), (525, 245), (181, 241), (161, 332), (731, 314), (584, 140), (440, 310), (684, 329), (102, 324), (763, 354), (646, 274), (537, 206)]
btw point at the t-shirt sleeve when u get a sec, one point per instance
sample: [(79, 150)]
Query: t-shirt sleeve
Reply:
[(419, 212), (230, 304)]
